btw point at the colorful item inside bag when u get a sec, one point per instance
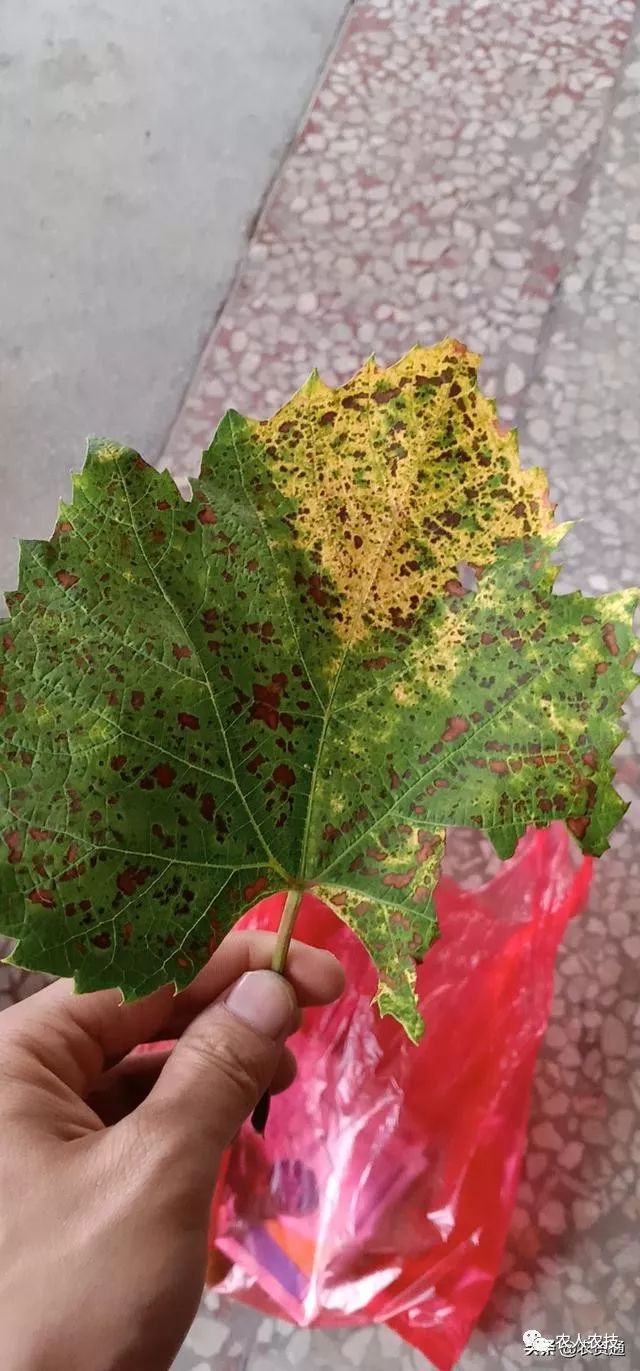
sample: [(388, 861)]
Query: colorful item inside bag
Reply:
[(383, 1188)]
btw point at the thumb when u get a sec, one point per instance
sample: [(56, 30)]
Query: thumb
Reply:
[(217, 1072)]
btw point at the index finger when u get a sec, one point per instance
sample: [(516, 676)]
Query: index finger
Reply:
[(316, 976), (76, 1036)]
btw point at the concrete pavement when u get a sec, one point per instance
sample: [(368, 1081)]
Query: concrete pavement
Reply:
[(136, 144)]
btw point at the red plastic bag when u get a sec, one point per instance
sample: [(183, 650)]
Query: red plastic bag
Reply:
[(384, 1187)]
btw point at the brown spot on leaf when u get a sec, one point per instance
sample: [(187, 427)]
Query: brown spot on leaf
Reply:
[(42, 897), (208, 807), (266, 699), (66, 579), (252, 891), (256, 762), (12, 840), (610, 640), (180, 650), (206, 515), (137, 699), (118, 762), (164, 775), (189, 721), (376, 663), (75, 873), (456, 725), (318, 595), (283, 775), (578, 826), (163, 837), (428, 845), (101, 940), (397, 880), (132, 878)]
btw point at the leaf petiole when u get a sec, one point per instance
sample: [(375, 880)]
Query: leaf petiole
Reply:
[(285, 931), (260, 1114)]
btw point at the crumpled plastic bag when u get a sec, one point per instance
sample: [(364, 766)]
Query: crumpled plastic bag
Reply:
[(383, 1188)]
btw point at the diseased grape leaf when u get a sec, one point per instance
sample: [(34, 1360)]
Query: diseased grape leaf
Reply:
[(290, 679)]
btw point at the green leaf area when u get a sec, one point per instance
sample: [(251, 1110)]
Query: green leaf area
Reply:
[(345, 643)]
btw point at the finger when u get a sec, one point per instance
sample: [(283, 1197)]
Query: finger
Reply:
[(316, 980), (126, 1086), (216, 1074), (75, 1036), (183, 1014), (286, 1072)]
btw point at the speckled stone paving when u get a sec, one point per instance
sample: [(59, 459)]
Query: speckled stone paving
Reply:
[(475, 169), (437, 186)]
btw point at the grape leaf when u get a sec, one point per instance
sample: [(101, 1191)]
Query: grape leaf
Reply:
[(345, 643)]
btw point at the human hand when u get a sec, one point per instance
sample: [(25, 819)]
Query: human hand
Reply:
[(108, 1162)]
